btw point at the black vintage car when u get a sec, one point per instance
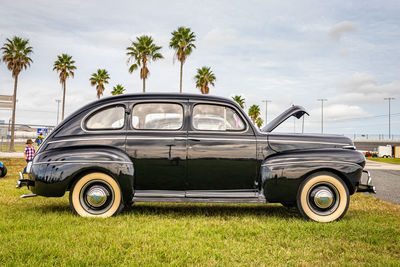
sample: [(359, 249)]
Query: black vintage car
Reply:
[(191, 148)]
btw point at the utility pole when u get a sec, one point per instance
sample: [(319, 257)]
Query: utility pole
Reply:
[(322, 113), (58, 108), (389, 99), (266, 110)]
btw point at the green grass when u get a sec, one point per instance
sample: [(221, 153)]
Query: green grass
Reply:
[(43, 231), (17, 147), (386, 160)]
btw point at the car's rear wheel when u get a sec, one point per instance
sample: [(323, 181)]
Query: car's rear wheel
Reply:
[(96, 195), (323, 197)]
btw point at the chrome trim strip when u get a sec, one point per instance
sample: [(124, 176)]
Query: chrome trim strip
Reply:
[(86, 139), (224, 194), (307, 161), (310, 142), (83, 161), (223, 139), (159, 193), (152, 138), (260, 199)]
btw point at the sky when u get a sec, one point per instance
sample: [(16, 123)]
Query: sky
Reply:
[(288, 52)]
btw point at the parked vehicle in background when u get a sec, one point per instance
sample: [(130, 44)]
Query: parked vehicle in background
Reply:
[(385, 151), (397, 152), (192, 148), (3, 170)]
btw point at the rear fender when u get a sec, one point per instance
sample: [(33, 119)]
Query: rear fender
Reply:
[(55, 171)]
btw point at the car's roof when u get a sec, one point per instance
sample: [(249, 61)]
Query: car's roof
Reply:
[(165, 96)]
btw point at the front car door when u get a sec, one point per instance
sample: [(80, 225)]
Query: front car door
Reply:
[(156, 143), (221, 152)]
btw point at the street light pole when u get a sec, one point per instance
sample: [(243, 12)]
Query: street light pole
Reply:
[(389, 99), (58, 108), (322, 113), (266, 109)]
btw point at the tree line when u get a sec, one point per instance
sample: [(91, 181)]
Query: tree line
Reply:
[(16, 54)]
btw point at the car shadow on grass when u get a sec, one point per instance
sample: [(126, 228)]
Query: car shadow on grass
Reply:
[(211, 210), (188, 210)]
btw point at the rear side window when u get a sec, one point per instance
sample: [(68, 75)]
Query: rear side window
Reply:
[(157, 116), (216, 118), (107, 119)]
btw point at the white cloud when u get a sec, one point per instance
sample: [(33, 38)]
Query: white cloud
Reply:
[(339, 112), (220, 36), (340, 28), (363, 88)]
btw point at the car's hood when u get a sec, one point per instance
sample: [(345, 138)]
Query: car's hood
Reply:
[(296, 111)]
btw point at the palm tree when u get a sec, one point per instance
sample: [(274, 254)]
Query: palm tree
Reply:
[(259, 122), (204, 77), (182, 42), (99, 79), (118, 90), (238, 99), (254, 112), (65, 66), (16, 54), (140, 53)]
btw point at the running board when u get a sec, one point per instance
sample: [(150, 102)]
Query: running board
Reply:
[(259, 199)]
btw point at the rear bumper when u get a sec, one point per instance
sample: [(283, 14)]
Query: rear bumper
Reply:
[(24, 182), (367, 187)]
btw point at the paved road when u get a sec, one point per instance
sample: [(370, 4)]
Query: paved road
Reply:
[(11, 155), (386, 178)]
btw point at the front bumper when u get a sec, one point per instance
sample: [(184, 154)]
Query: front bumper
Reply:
[(368, 187)]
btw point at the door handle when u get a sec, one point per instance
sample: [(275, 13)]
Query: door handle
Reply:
[(194, 139)]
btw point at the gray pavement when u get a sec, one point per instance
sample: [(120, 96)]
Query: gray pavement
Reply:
[(11, 155), (386, 178)]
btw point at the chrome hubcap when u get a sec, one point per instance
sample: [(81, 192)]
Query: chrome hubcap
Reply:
[(96, 196), (323, 198)]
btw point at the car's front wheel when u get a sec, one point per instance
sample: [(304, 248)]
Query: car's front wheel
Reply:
[(323, 197), (96, 195)]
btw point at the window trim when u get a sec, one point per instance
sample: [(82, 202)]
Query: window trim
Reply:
[(157, 130), (245, 129), (99, 109)]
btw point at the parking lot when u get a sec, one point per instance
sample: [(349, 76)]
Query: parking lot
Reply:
[(386, 178)]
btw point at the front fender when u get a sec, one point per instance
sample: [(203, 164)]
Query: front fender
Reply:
[(54, 171), (282, 173)]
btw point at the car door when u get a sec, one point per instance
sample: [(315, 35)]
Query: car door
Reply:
[(156, 143), (221, 152)]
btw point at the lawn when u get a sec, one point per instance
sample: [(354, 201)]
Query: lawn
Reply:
[(386, 160), (17, 147), (43, 231)]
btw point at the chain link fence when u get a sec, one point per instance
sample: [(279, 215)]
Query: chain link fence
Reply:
[(22, 133)]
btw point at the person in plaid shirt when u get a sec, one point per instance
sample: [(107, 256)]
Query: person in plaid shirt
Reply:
[(29, 152)]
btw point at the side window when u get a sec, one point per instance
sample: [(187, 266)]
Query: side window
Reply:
[(108, 118), (157, 116), (216, 118)]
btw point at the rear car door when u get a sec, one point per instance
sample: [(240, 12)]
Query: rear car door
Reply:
[(156, 143)]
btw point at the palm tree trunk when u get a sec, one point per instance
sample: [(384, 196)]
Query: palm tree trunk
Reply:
[(63, 107), (180, 90), (13, 114), (144, 85)]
